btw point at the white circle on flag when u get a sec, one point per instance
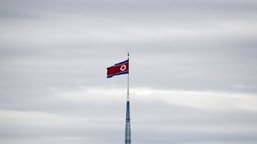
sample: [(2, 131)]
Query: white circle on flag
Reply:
[(123, 67)]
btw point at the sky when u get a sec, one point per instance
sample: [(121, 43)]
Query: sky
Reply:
[(193, 71)]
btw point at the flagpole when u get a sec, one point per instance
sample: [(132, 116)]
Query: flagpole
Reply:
[(128, 84), (127, 128)]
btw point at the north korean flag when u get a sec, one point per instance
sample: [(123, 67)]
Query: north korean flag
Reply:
[(118, 69)]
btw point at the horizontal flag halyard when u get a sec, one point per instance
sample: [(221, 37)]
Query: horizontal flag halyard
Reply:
[(118, 69)]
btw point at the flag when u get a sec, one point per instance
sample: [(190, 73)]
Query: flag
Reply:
[(118, 69)]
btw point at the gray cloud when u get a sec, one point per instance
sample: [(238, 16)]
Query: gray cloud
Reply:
[(193, 71)]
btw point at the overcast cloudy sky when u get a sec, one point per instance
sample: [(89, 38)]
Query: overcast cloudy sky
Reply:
[(193, 71)]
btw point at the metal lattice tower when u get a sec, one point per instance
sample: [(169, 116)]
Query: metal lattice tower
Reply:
[(127, 131)]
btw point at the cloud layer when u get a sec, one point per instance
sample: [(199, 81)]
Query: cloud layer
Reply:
[(193, 71)]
